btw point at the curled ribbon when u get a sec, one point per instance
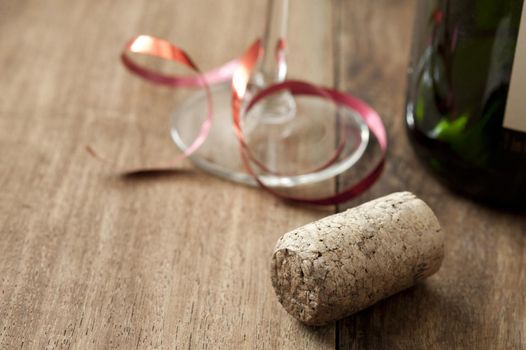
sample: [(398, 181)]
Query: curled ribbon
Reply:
[(239, 72)]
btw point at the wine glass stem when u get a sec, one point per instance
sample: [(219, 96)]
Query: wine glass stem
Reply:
[(273, 66)]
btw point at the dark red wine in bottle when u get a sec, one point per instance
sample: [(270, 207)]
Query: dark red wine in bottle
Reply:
[(466, 103)]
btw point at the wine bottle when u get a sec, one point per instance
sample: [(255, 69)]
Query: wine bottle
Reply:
[(466, 101)]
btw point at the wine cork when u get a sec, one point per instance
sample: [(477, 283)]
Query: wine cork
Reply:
[(341, 264)]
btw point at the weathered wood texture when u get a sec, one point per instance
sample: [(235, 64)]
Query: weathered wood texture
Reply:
[(90, 260)]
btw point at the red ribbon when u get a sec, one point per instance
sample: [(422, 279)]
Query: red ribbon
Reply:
[(239, 71)]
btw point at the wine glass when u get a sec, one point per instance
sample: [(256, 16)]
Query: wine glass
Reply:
[(295, 141)]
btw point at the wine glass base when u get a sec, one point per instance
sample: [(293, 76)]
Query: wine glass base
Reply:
[(295, 150)]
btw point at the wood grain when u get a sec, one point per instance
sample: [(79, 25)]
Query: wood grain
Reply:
[(89, 260), (477, 300)]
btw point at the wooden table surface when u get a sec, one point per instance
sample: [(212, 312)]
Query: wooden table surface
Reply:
[(89, 260)]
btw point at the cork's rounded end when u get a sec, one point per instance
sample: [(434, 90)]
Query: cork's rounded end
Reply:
[(293, 284)]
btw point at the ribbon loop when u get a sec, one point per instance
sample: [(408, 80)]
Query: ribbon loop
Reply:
[(239, 72)]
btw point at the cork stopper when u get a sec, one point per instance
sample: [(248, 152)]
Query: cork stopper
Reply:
[(341, 264)]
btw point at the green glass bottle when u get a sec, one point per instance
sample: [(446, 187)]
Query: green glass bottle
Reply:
[(466, 103)]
